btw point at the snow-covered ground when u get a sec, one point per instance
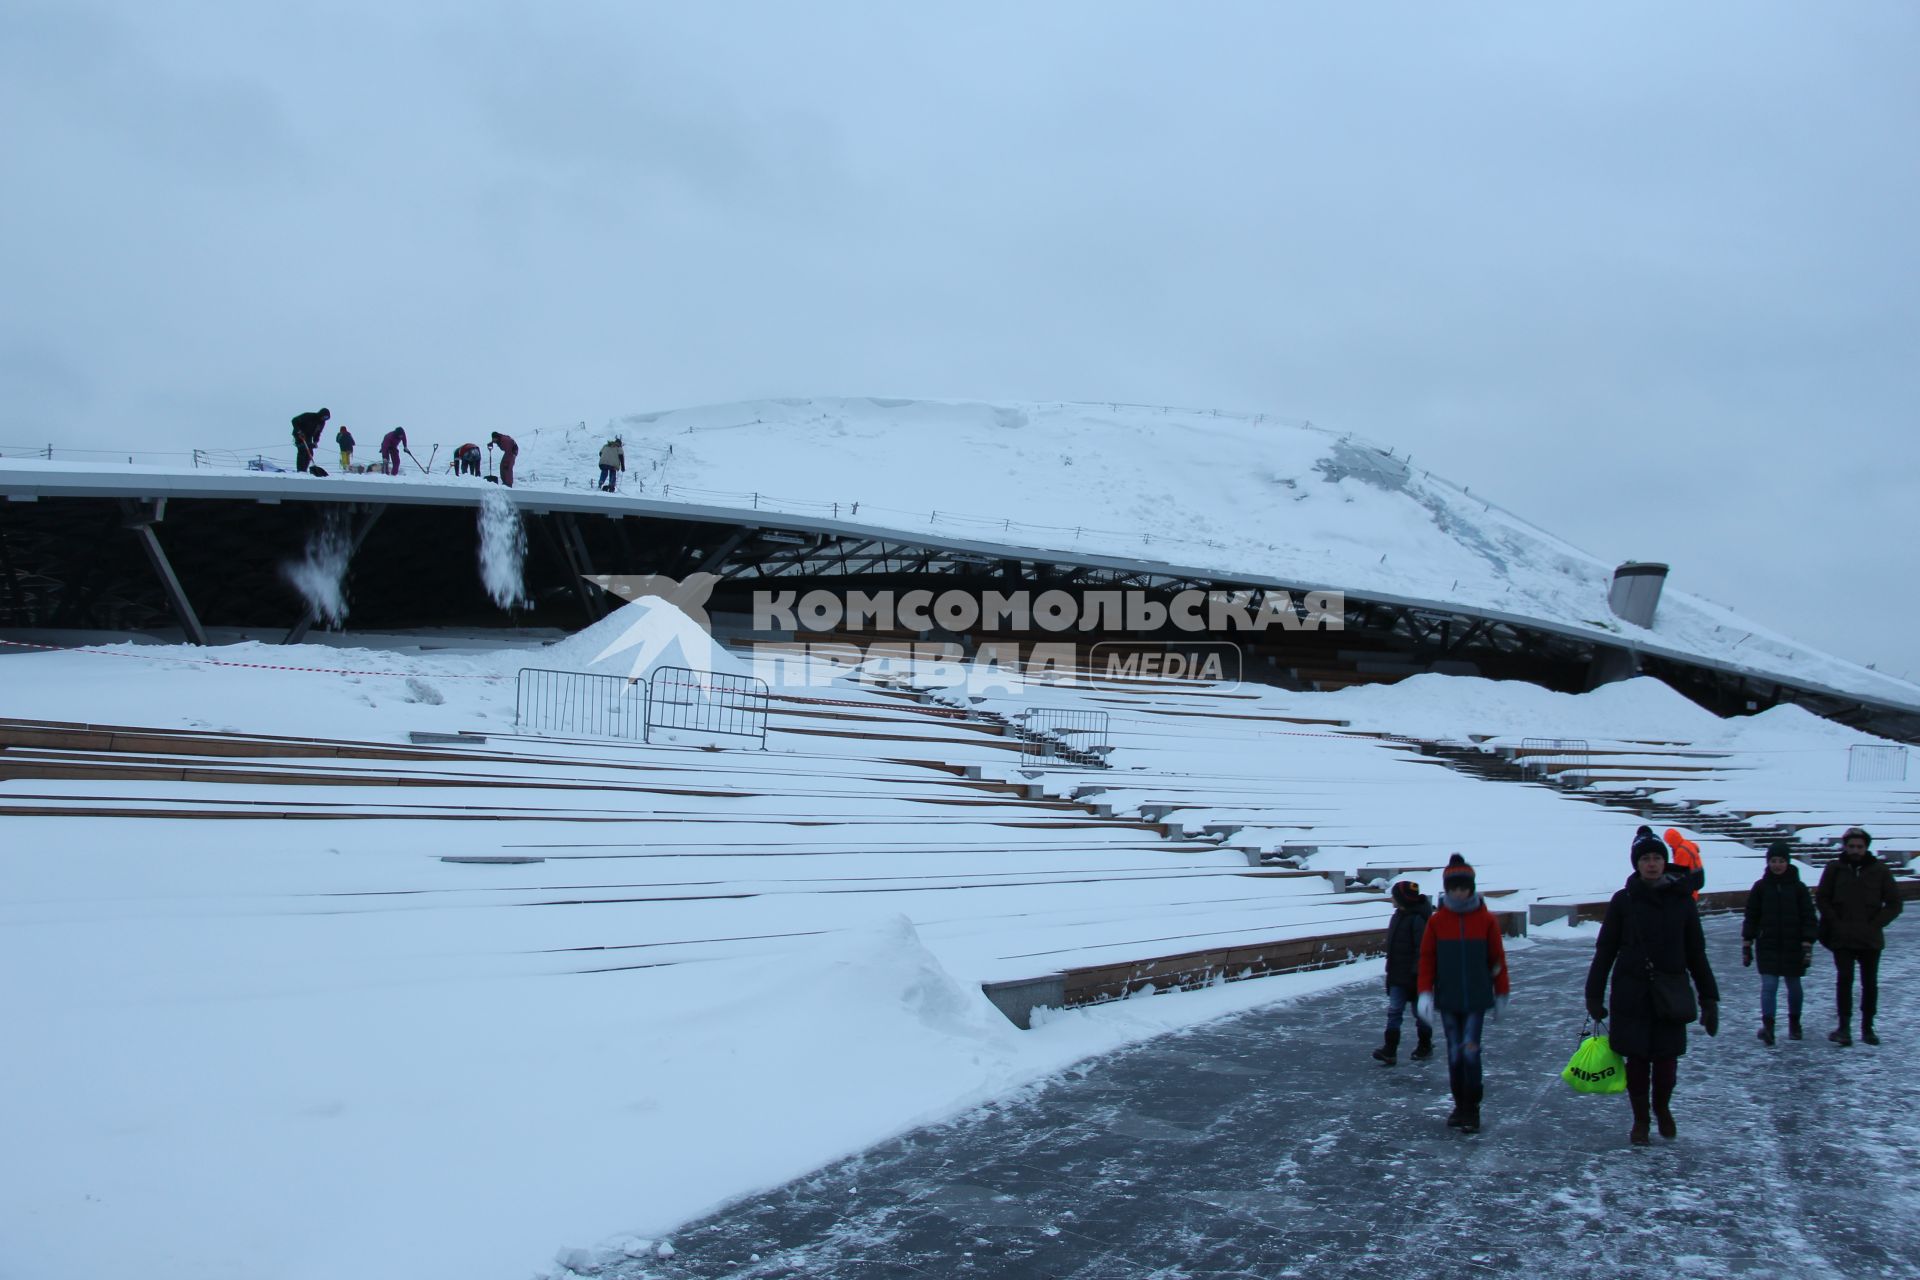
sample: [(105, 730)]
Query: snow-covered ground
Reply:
[(258, 1047)]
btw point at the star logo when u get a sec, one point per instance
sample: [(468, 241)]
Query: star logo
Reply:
[(659, 630)]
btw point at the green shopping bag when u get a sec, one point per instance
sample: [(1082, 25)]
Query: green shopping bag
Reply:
[(1595, 1067)]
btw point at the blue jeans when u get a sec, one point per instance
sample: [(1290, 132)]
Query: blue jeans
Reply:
[(1399, 1000), (1770, 996), (1463, 1053)]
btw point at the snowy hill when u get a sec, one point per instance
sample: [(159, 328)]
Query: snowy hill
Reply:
[(1220, 492)]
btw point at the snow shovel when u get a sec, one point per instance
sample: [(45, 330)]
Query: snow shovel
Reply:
[(416, 461)]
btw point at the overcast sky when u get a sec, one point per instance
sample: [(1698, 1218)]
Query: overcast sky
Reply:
[(1647, 274)]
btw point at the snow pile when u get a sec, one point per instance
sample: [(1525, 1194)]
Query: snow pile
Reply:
[(640, 637), (1453, 707)]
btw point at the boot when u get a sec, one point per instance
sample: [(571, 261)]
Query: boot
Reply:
[(1793, 1029), (1637, 1089), (1388, 1052), (1666, 1075), (1470, 1118), (1766, 1031), (1841, 1035), (1423, 1047), (1866, 1032)]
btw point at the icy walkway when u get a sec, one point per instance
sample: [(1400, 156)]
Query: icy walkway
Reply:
[(1269, 1145)]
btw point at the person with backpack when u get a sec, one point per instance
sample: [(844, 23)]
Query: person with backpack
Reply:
[(1404, 931), (613, 460), (509, 450), (306, 436), (390, 446), (466, 460), (1857, 900), (1650, 944), (344, 438), (1780, 929), (1463, 975)]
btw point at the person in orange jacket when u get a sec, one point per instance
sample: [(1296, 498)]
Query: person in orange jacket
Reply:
[(1463, 974), (1684, 854)]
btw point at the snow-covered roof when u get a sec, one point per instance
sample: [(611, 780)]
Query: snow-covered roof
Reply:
[(1242, 497), (1237, 494)]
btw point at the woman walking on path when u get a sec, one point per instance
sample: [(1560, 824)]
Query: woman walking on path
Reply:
[(1780, 929), (1463, 973), (1650, 942)]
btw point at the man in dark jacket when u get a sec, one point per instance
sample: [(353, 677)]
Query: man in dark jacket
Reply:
[(1410, 912), (1651, 932), (1857, 900), (306, 437), (1781, 927)]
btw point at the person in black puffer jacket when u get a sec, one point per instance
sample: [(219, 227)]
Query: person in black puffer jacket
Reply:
[(1780, 929), (1411, 910), (1652, 926)]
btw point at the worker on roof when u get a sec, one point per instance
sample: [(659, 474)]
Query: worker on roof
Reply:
[(509, 452), (306, 436), (613, 460), (466, 460)]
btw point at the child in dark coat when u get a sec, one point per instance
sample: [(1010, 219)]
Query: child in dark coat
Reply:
[(1404, 932), (1780, 928)]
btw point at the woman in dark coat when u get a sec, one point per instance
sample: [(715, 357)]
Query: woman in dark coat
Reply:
[(1651, 925), (1780, 929)]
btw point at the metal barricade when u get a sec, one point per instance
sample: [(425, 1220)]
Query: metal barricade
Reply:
[(707, 702), (1080, 732), (1565, 762), (576, 703), (1869, 763)]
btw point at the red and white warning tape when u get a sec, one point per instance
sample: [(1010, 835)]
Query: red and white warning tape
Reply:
[(253, 666)]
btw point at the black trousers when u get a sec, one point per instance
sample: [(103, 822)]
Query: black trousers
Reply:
[(1869, 962)]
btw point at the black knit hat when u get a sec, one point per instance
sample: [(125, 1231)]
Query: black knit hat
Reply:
[(1645, 842), (1456, 872), (1780, 849), (1406, 893)]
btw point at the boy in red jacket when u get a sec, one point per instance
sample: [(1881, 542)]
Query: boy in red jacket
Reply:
[(1463, 973)]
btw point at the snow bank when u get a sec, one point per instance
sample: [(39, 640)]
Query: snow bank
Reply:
[(639, 638), (1452, 707)]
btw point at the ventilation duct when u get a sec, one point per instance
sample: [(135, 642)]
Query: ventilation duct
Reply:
[(1636, 591)]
